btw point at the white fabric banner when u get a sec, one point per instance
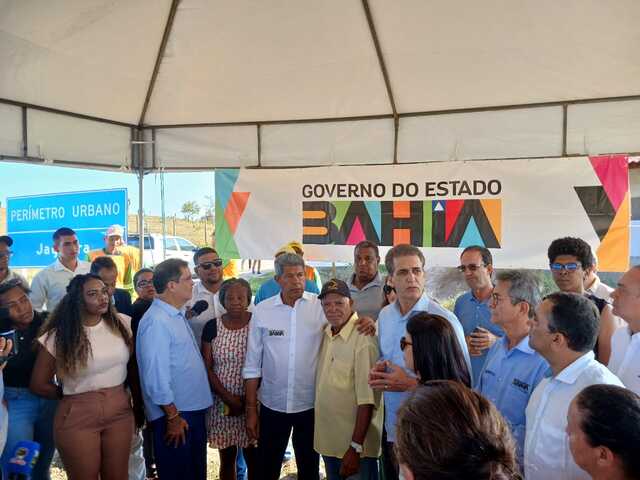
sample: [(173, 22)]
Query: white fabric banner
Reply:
[(514, 207)]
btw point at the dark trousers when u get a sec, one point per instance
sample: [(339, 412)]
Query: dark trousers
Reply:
[(189, 460), (389, 462), (275, 429)]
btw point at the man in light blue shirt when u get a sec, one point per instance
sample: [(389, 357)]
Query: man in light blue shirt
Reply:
[(175, 386), (472, 307), (513, 369), (405, 264)]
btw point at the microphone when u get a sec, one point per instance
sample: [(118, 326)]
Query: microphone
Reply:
[(199, 307), (23, 459)]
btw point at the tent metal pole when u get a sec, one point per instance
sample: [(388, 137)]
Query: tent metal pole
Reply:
[(141, 160), (25, 133), (163, 45), (565, 109), (259, 133), (385, 75)]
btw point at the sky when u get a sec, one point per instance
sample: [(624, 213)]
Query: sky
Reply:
[(24, 179)]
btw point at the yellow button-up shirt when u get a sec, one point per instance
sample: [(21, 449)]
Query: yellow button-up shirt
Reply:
[(341, 386)]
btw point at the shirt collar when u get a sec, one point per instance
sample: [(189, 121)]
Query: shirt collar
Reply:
[(523, 345), (474, 299), (345, 332), (200, 289), (58, 266), (594, 286), (571, 373), (306, 296), (168, 309), (422, 305), (376, 282)]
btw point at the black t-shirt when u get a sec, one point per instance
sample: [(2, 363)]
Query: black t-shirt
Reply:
[(210, 330), (138, 309), (17, 373)]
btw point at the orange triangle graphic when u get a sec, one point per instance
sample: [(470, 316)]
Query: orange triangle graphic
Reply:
[(493, 208), (613, 251), (235, 209)]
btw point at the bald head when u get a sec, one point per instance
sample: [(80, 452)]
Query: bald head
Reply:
[(626, 298)]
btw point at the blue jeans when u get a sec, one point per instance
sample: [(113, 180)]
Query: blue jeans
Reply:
[(241, 466), (368, 469), (30, 418)]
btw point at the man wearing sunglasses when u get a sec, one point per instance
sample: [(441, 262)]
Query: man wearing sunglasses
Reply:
[(6, 274), (472, 307), (209, 270), (569, 260)]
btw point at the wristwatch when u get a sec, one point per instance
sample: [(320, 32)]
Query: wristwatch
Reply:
[(357, 447)]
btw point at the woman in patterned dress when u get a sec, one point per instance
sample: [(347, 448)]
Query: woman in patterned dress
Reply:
[(224, 346)]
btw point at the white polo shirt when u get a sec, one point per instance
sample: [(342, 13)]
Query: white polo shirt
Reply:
[(214, 310), (50, 284), (625, 357), (546, 450), (283, 349)]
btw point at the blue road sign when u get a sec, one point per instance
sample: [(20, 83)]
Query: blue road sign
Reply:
[(32, 220)]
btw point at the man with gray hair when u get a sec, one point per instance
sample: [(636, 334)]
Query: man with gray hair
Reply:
[(285, 335), (512, 368)]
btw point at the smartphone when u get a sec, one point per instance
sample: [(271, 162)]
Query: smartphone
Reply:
[(11, 335)]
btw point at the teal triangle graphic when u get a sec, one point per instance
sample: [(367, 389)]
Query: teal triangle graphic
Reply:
[(471, 235), (375, 213), (225, 180)]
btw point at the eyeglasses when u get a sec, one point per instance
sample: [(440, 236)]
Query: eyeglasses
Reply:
[(208, 265), (569, 267), (472, 267), (7, 254), (388, 289), (404, 343), (145, 283)]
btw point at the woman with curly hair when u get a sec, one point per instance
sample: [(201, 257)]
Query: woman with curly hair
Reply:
[(86, 344)]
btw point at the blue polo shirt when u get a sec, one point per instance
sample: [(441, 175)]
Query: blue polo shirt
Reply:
[(508, 380), (392, 326), (473, 313)]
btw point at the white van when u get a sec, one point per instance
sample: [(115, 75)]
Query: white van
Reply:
[(154, 253)]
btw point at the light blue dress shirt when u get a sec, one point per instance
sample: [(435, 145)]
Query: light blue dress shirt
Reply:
[(392, 326), (170, 363), (473, 313), (271, 288), (508, 380)]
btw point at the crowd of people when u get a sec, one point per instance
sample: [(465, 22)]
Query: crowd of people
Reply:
[(130, 373)]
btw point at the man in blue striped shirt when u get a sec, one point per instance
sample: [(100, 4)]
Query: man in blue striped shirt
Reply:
[(512, 368)]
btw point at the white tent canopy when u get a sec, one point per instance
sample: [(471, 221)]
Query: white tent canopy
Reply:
[(276, 83)]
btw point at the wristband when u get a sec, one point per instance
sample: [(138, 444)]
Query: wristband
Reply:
[(173, 417)]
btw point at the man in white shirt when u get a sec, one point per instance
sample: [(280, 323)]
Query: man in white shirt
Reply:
[(625, 343), (285, 335), (209, 270), (593, 284), (564, 331), (50, 284)]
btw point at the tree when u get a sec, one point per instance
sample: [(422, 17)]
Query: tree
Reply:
[(190, 210), (209, 208)]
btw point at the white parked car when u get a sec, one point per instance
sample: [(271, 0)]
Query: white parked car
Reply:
[(154, 253)]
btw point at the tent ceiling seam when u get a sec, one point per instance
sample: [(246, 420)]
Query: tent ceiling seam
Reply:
[(385, 76), (156, 68)]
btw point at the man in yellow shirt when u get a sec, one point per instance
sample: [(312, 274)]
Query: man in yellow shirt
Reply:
[(126, 258), (348, 413)]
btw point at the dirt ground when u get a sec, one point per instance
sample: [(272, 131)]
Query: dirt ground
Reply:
[(288, 470)]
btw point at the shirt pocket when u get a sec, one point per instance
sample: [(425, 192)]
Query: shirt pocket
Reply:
[(341, 374), (514, 405)]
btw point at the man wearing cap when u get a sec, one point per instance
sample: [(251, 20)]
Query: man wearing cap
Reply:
[(50, 284), (285, 336), (348, 413), (126, 258), (271, 287), (6, 274)]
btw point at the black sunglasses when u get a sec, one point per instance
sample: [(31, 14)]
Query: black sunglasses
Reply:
[(404, 343), (208, 265), (387, 289)]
